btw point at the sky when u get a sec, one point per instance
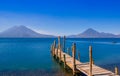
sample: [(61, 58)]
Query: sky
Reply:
[(61, 17)]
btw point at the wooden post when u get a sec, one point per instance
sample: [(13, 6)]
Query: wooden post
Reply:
[(92, 61), (74, 54), (54, 47), (53, 50), (54, 43), (64, 43), (90, 58), (57, 53), (60, 54), (59, 42), (116, 71), (59, 48), (64, 61), (79, 55)]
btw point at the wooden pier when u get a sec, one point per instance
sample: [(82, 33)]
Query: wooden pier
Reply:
[(89, 69)]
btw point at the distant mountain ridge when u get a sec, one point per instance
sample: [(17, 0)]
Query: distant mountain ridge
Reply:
[(91, 33), (22, 32), (25, 32)]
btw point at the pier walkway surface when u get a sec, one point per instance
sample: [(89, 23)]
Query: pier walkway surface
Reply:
[(89, 69)]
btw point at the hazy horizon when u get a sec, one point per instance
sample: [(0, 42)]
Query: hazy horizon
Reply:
[(24, 31), (61, 17)]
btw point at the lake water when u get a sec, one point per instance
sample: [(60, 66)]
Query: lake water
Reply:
[(32, 57)]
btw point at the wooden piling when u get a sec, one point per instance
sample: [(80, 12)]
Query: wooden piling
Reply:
[(90, 59), (54, 43), (116, 71), (59, 42), (64, 60), (60, 54), (64, 43), (57, 53), (54, 46), (59, 48), (53, 50), (74, 54), (79, 55)]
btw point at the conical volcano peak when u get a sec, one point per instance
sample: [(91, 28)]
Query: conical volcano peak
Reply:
[(89, 30), (22, 32)]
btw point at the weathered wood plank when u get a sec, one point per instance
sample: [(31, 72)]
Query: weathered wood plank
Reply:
[(83, 67)]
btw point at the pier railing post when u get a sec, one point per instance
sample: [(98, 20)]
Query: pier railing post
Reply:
[(90, 58), (59, 48), (116, 71), (64, 60), (55, 43), (57, 53), (74, 54), (54, 48), (60, 54), (64, 43), (92, 61), (59, 41)]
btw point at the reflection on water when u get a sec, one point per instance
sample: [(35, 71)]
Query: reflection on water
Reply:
[(31, 57), (33, 73)]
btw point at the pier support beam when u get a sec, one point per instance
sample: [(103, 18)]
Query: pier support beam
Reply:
[(64, 61), (91, 60), (74, 54), (54, 47), (59, 49), (54, 43), (64, 43), (60, 54), (53, 51), (116, 71), (59, 42), (57, 53)]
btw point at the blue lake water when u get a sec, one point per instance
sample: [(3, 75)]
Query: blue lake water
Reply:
[(32, 55)]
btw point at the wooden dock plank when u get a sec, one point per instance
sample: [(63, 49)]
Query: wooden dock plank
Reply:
[(83, 67)]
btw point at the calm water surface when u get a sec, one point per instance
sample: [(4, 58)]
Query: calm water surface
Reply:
[(32, 57)]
